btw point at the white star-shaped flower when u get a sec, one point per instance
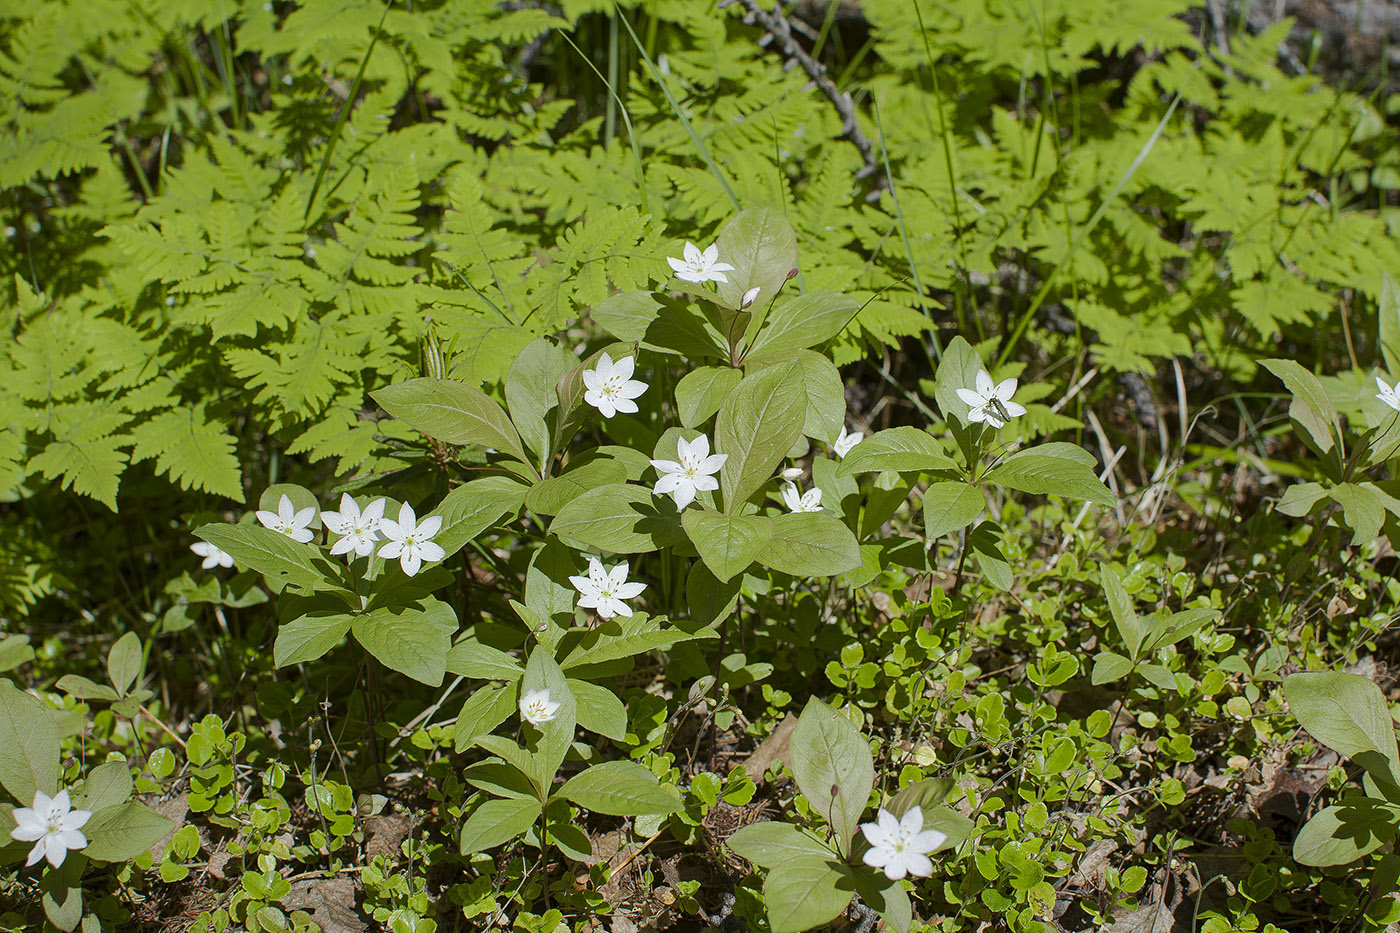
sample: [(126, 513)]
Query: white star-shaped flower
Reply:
[(288, 521), (357, 530), (901, 846), (992, 401), (611, 387), (409, 541), (1387, 394), (700, 267), (809, 501), (52, 825), (694, 472), (605, 590), (213, 556), (536, 707), (844, 442)]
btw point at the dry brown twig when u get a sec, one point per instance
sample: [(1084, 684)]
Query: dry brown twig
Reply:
[(780, 29)]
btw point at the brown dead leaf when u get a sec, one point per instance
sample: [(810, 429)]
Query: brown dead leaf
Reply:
[(1154, 916), (331, 902), (774, 748), (175, 809), (385, 833)]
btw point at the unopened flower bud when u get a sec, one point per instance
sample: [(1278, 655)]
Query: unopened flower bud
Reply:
[(750, 296)]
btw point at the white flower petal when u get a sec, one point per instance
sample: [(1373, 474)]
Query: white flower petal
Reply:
[(684, 493), (669, 483), (971, 398), (921, 866)]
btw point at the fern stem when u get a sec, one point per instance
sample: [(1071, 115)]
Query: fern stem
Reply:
[(904, 236), (945, 139), (610, 83), (680, 114), (344, 115), (1088, 228)]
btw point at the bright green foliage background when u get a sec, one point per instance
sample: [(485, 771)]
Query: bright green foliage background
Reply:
[(227, 223)]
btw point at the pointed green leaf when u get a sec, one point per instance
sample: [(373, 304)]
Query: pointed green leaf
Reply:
[(757, 425), (451, 411), (1054, 469), (621, 518), (619, 788), (811, 544), (950, 506), (271, 554), (902, 450), (28, 745), (833, 767), (413, 641), (497, 822), (727, 543)]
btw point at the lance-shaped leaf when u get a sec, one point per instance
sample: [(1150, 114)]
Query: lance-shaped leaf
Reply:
[(727, 543), (833, 767), (1344, 832), (1055, 469), (473, 507), (803, 321), (1349, 714), (618, 788), (451, 411), (902, 450), (950, 506), (757, 425), (1311, 407), (28, 745), (621, 518), (760, 245), (811, 544), (413, 641), (701, 391), (497, 822), (271, 554)]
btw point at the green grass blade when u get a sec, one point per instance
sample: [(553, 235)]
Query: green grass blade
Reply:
[(344, 115), (680, 114), (1118, 187)]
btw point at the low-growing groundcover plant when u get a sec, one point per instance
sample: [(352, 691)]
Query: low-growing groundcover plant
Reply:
[(602, 466)]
